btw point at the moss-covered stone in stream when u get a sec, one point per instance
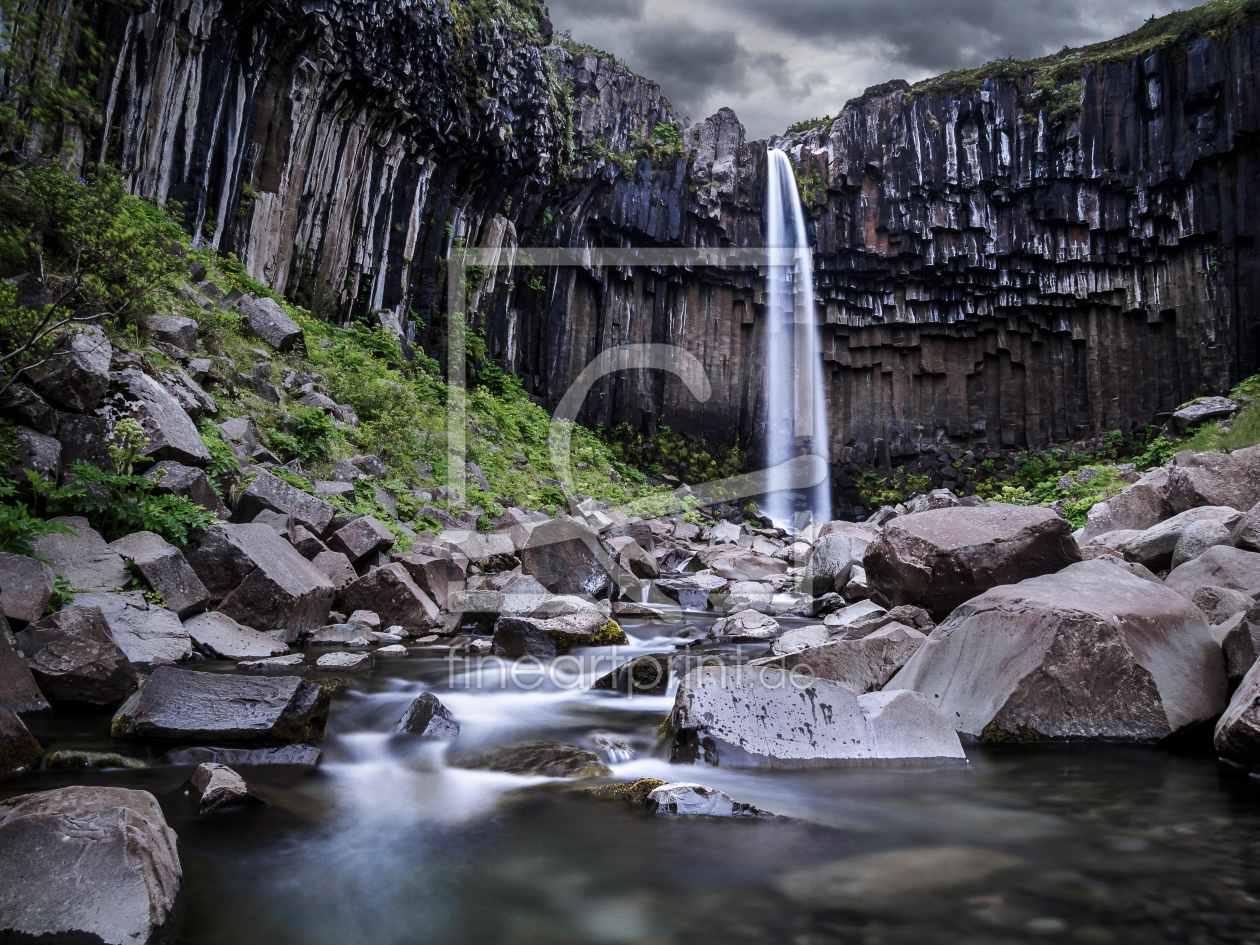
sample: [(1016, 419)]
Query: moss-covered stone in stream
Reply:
[(634, 793), (609, 634)]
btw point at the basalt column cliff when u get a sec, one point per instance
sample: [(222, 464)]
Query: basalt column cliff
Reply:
[(1001, 262)]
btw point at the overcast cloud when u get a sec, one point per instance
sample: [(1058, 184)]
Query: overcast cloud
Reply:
[(780, 61)]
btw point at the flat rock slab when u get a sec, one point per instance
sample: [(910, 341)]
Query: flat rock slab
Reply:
[(220, 636), (545, 758), (148, 634), (25, 587), (83, 559), (88, 864), (345, 663), (863, 665), (1092, 652), (305, 755), (179, 705), (518, 637), (76, 660), (764, 716)]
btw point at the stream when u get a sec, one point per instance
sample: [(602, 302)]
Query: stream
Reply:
[(383, 844)]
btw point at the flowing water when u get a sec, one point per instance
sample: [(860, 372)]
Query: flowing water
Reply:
[(384, 845), (796, 405)]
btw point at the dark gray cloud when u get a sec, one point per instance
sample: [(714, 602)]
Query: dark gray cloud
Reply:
[(779, 61)]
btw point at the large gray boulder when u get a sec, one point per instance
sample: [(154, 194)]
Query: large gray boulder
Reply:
[(83, 558), (18, 691), (76, 375), (565, 557), (1239, 637), (174, 330), (734, 563), (171, 433), (746, 626), (271, 493), (633, 558), (1199, 479), (1154, 547), (362, 537), (218, 635), (1092, 652), (89, 864), (437, 576), (165, 570), (1138, 507), (336, 567), (1238, 730), (832, 559), (863, 665), (1209, 408), (1220, 566), (516, 637), (76, 660), (391, 592), (182, 705), (25, 587), (763, 716), (259, 579), (1197, 539), (940, 559), (148, 634), (269, 322), (1246, 534)]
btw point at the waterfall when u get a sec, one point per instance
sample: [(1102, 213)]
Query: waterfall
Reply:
[(796, 415)]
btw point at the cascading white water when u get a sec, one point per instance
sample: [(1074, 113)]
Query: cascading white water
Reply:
[(796, 417)]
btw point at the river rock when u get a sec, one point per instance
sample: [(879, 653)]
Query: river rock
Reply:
[(680, 799), (148, 634), (695, 591), (362, 537), (165, 570), (1091, 652), (19, 750), (76, 660), (271, 493), (436, 576), (544, 758), (1215, 479), (800, 638), (1221, 566), (832, 559), (260, 580), (392, 593), (643, 675), (428, 718), (83, 558), (345, 663), (744, 595), (863, 665), (633, 558), (303, 755), (1198, 538), (76, 376), (940, 559), (89, 864), (564, 606), (747, 626), (516, 637), (18, 691), (221, 637), (170, 431), (762, 716), (25, 587), (740, 564), (187, 706), (73, 759), (218, 788), (1220, 603), (269, 322), (291, 662), (564, 557)]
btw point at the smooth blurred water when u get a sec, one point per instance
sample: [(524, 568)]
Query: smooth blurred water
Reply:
[(383, 844)]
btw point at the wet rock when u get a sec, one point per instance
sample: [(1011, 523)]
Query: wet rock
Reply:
[(428, 718), (643, 675), (940, 559), (1237, 734), (392, 593), (174, 330), (1220, 603), (831, 562), (83, 558), (345, 663), (681, 799), (25, 587), (363, 537), (275, 664), (218, 787), (218, 635), (564, 557), (171, 433), (744, 595), (304, 755), (1089, 653), (76, 660), (863, 615), (71, 759), (181, 705), (259, 579), (271, 493), (336, 567), (565, 606), (192, 483), (165, 570), (516, 637), (747, 626), (694, 591), (863, 665), (544, 758), (633, 558), (1220, 566), (1154, 547), (1215, 479), (89, 864), (395, 651), (634, 793), (76, 376), (19, 750), (269, 322), (762, 716), (149, 635)]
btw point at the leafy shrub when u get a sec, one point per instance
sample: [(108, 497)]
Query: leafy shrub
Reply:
[(19, 527), (309, 436), (129, 504)]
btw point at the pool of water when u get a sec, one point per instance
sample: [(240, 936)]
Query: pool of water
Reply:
[(384, 844)]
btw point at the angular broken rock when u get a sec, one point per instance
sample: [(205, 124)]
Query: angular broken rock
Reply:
[(18, 691), (281, 755), (680, 799), (437, 577), (1139, 507), (694, 591), (221, 637), (428, 718), (763, 716), (1092, 652), (1247, 532), (547, 758), (800, 638), (174, 330), (218, 787), (1238, 731), (1220, 603), (564, 557), (1220, 566), (76, 660), (170, 431), (1154, 547), (261, 581), (1198, 538), (643, 675), (391, 593), (181, 705), (173, 478), (1220, 479), (940, 559), (19, 750), (148, 634), (747, 626), (25, 587), (88, 864), (863, 665), (518, 637), (35, 453), (336, 567), (83, 558), (362, 537), (275, 664), (740, 564), (345, 663), (271, 493), (165, 570), (1209, 408), (632, 557), (269, 322), (832, 559), (76, 376), (1239, 637)]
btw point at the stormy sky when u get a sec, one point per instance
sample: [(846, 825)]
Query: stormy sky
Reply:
[(780, 61)]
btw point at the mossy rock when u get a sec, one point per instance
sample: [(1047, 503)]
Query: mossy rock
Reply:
[(69, 758), (647, 675), (634, 793), (609, 634), (547, 758), (994, 734)]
